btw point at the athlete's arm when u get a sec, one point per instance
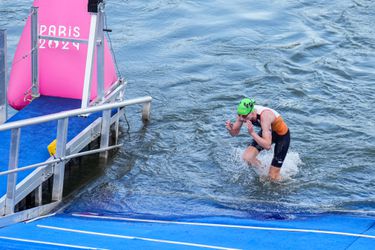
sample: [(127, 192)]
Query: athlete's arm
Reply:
[(234, 129), (265, 141)]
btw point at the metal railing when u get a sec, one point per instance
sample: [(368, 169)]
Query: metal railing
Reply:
[(3, 74), (61, 157), (64, 150)]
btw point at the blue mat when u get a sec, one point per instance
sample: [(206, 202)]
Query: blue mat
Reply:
[(35, 139), (331, 231)]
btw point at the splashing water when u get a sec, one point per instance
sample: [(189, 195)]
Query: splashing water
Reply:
[(288, 170), (236, 167), (290, 165)]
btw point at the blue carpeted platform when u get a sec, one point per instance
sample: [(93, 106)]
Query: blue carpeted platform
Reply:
[(35, 139), (99, 232)]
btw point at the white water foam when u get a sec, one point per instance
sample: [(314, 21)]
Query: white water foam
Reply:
[(237, 168), (288, 170), (290, 165)]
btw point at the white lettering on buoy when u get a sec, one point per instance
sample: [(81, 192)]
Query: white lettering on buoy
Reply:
[(59, 31), (52, 30), (76, 33), (62, 31)]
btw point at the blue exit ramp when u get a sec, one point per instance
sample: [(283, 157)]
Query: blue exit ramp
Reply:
[(93, 231)]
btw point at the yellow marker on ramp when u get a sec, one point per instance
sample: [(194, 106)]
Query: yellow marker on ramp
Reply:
[(52, 148)]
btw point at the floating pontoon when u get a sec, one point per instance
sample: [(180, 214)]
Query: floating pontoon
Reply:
[(64, 83)]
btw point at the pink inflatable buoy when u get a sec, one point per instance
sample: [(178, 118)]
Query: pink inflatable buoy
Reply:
[(61, 63)]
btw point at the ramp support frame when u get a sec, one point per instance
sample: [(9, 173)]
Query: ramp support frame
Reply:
[(3, 76)]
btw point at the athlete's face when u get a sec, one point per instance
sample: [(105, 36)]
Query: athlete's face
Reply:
[(252, 116), (248, 117), (244, 118)]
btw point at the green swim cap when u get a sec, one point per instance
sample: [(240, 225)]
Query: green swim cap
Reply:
[(246, 106)]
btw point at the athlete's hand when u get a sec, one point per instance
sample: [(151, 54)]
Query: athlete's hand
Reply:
[(228, 125), (250, 127)]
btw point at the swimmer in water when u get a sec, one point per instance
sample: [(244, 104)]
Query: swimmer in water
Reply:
[(273, 130)]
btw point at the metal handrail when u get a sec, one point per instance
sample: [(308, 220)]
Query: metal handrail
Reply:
[(60, 159), (95, 48), (62, 129), (74, 112), (3, 75)]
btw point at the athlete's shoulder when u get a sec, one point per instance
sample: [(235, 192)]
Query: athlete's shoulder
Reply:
[(259, 109), (270, 112)]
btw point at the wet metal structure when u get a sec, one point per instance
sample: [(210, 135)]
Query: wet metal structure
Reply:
[(25, 164)]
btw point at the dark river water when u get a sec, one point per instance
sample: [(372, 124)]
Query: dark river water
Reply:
[(313, 61)]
